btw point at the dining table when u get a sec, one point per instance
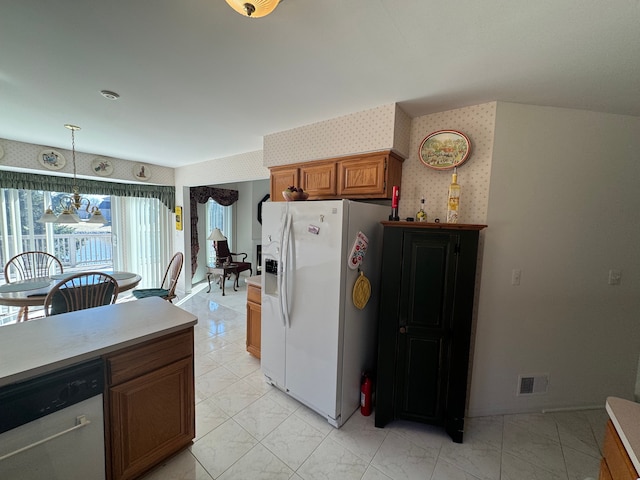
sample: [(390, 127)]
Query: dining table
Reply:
[(33, 291)]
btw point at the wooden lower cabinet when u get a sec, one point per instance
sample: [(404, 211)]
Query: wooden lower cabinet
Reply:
[(615, 464), (254, 319), (149, 404)]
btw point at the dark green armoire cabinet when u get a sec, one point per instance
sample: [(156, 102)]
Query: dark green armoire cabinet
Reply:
[(424, 329)]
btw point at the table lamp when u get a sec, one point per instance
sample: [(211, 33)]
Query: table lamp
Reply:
[(217, 236)]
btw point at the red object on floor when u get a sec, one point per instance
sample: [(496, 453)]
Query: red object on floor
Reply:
[(365, 396)]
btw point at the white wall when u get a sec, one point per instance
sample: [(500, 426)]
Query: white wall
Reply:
[(563, 208), (238, 168)]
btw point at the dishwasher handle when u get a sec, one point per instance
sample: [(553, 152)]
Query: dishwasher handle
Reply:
[(81, 422)]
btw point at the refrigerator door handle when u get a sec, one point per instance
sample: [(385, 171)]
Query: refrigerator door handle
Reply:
[(284, 296), (280, 272)]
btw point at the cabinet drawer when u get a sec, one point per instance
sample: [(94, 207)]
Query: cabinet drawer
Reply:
[(143, 358), (254, 294), (616, 456)]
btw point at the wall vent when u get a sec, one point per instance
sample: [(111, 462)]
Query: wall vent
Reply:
[(533, 384)]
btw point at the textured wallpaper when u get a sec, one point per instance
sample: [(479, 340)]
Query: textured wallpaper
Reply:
[(360, 132), (402, 133), (25, 157), (478, 123)]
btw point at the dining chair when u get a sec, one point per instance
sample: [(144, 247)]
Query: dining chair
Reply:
[(167, 288), (80, 291), (28, 265)]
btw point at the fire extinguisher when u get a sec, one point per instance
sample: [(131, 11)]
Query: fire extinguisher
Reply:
[(366, 386)]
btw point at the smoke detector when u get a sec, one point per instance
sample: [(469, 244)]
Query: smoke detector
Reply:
[(108, 94)]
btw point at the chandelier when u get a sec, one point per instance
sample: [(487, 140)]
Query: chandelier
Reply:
[(253, 8), (72, 203)]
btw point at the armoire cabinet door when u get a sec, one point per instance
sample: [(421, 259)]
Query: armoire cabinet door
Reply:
[(424, 324)]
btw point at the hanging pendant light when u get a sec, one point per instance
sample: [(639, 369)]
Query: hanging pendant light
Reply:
[(72, 203), (253, 8)]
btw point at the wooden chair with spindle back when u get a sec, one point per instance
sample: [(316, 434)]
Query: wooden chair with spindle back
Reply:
[(28, 265)]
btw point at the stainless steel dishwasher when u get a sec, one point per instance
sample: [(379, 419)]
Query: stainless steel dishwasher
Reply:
[(52, 427)]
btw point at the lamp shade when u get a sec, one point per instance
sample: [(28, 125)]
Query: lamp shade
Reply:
[(253, 8), (216, 235)]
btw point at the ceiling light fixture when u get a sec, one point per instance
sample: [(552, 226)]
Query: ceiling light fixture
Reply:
[(253, 8), (72, 203)]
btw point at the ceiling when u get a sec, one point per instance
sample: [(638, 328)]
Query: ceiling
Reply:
[(197, 81)]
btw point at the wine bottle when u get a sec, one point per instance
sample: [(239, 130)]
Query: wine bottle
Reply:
[(421, 216), (453, 203)]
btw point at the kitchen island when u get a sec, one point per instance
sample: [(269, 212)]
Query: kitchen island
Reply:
[(147, 349), (621, 450)]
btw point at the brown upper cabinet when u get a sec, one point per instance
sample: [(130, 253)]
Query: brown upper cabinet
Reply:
[(370, 175), (281, 178)]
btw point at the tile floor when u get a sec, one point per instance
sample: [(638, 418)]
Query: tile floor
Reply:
[(246, 429)]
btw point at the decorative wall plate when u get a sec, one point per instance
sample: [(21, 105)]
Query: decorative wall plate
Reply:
[(102, 166), (142, 172), (51, 159), (444, 149)]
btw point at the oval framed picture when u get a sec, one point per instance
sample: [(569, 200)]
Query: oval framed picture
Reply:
[(444, 149), (52, 159), (142, 172), (102, 166)]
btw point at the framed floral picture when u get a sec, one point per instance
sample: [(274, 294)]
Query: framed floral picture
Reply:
[(444, 149)]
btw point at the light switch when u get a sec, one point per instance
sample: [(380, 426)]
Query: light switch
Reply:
[(516, 273), (615, 276)]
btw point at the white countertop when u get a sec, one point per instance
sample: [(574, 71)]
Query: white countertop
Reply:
[(42, 345), (255, 280), (625, 416)]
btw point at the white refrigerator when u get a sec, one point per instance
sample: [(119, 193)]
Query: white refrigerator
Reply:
[(315, 342)]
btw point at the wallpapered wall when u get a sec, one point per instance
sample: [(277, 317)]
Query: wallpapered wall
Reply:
[(360, 132), (25, 156), (389, 127), (478, 123)]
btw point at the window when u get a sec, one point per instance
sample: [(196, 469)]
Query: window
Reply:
[(142, 242), (218, 217), (78, 247)]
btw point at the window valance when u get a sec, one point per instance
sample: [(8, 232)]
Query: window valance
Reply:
[(30, 181), (223, 196)]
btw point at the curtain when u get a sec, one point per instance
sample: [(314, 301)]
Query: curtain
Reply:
[(51, 183), (223, 196), (141, 238)]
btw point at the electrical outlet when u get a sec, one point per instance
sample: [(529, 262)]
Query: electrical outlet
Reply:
[(516, 273), (615, 276)]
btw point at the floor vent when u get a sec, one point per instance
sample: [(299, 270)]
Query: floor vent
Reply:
[(532, 384)]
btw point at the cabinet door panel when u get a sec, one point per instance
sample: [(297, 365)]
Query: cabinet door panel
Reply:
[(420, 378), (362, 176), (151, 418), (426, 294), (319, 180), (427, 288), (281, 178)]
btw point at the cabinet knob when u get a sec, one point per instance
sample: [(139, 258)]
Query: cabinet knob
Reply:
[(403, 329)]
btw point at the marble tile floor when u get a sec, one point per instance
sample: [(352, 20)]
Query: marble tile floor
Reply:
[(247, 429)]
